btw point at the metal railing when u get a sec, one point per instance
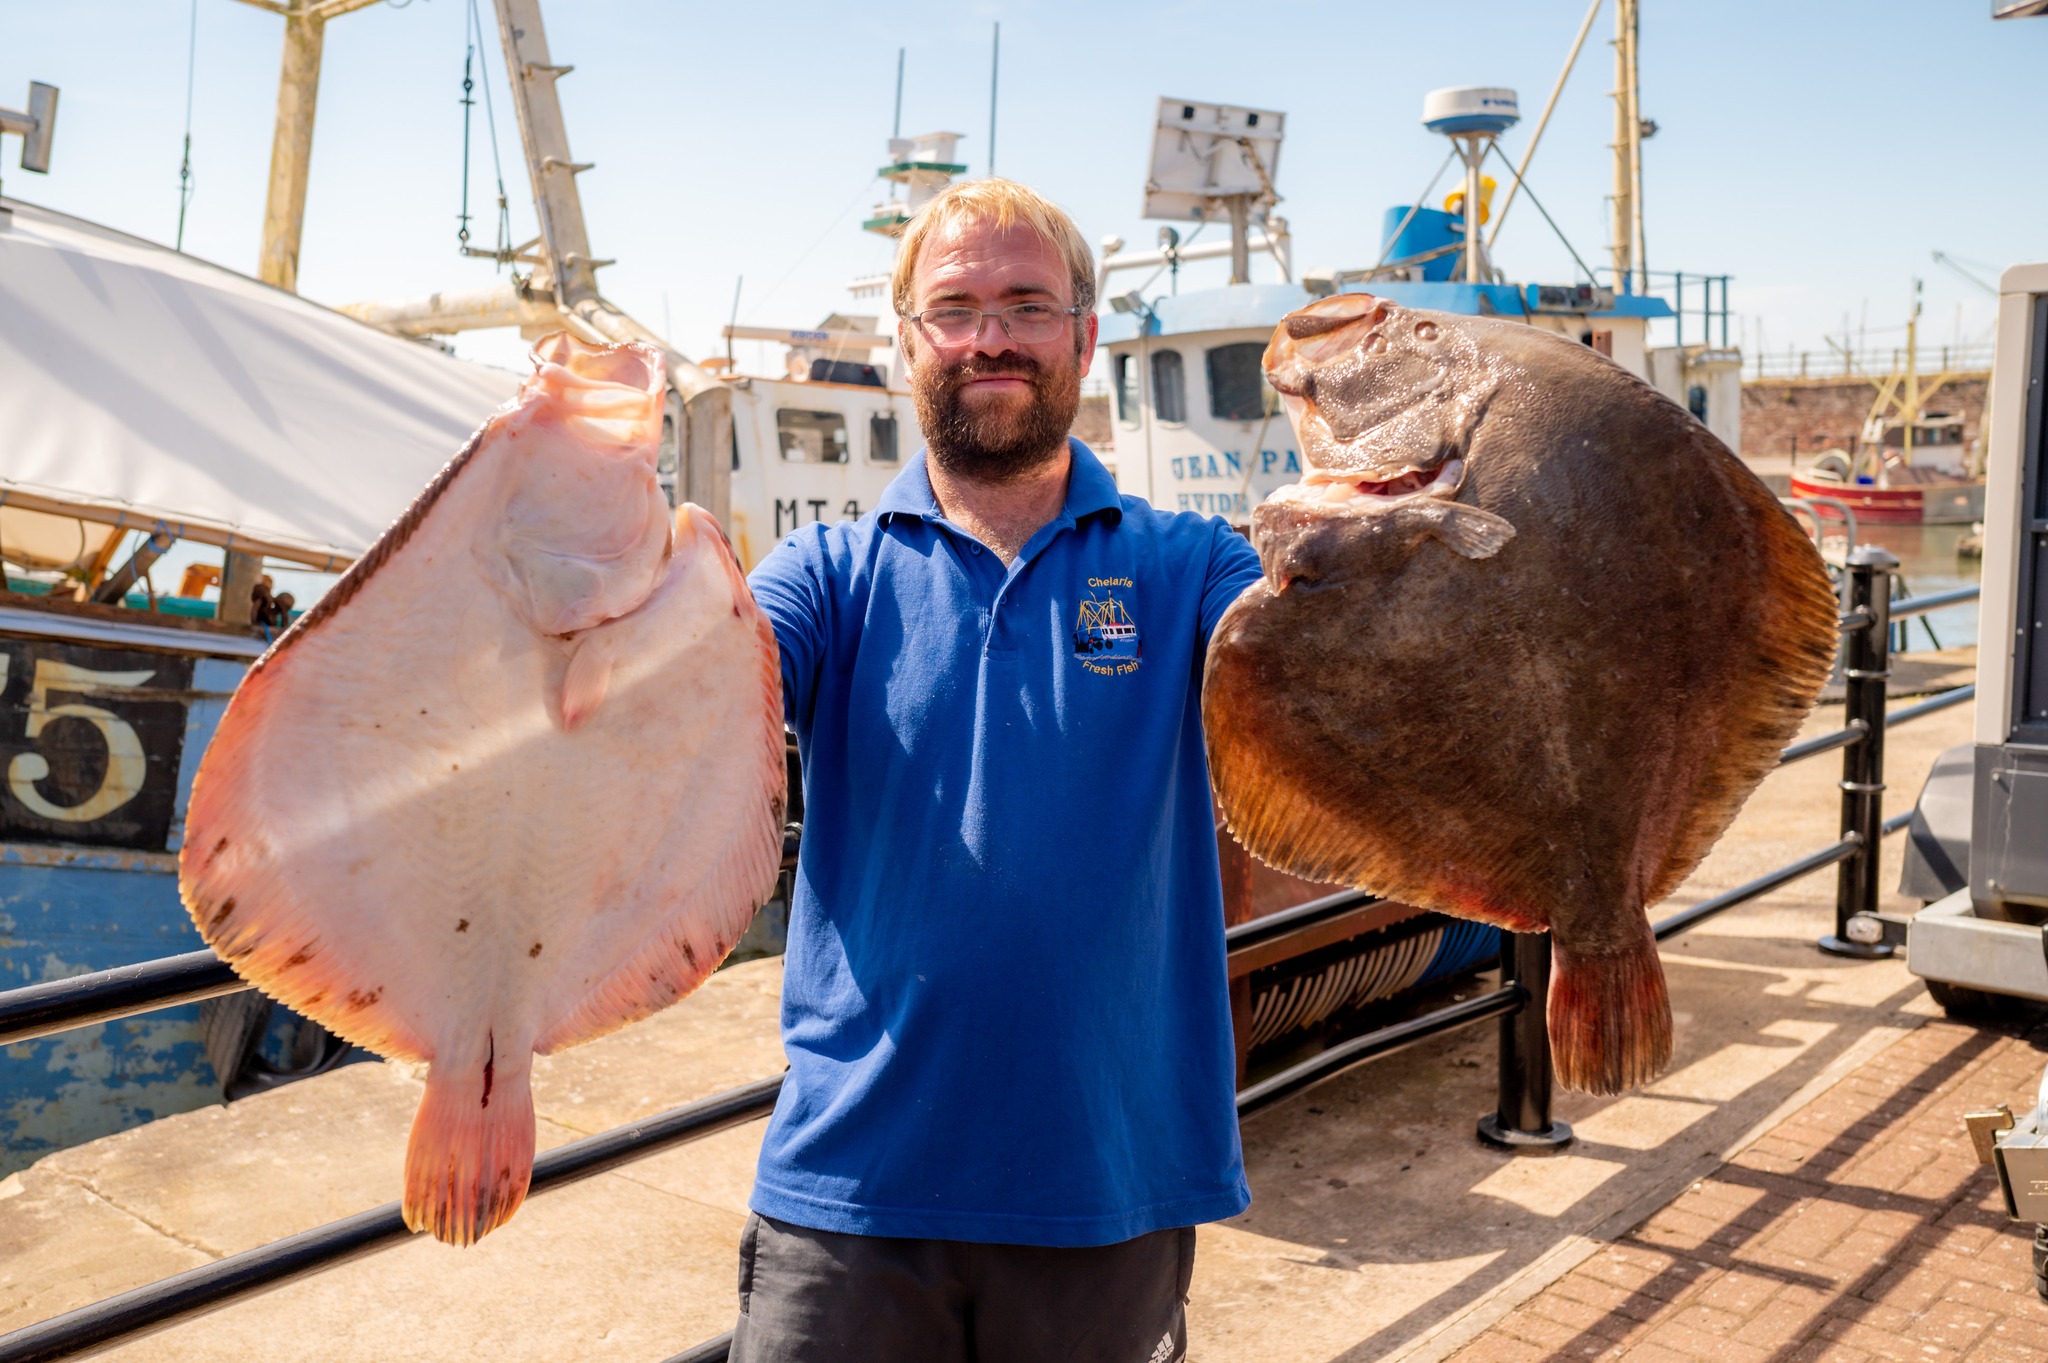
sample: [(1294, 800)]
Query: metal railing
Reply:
[(1871, 363), (1708, 304), (1521, 1118)]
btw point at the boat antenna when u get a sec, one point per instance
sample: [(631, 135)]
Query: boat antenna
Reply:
[(185, 166), (995, 62), (737, 285), (896, 128)]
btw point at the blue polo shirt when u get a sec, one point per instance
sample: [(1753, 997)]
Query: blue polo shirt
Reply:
[(1004, 1001)]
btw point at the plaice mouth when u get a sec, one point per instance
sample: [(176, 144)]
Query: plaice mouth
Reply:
[(1340, 489)]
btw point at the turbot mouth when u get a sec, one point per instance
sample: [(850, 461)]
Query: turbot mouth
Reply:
[(1340, 490)]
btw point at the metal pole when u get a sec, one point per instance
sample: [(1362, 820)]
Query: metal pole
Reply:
[(1522, 1119), (995, 66), (1638, 251), (1475, 272), (1240, 238), (1866, 668), (1621, 225), (896, 127)]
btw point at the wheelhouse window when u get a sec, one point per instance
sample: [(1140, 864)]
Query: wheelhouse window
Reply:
[(811, 437), (1237, 381), (1169, 386), (882, 438), (668, 460), (1127, 389)]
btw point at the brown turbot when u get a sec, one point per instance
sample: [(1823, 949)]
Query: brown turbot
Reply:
[(1528, 636)]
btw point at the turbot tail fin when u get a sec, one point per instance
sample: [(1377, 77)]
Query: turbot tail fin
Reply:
[(1610, 1018)]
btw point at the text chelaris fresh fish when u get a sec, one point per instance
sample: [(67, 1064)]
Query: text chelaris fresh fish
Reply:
[(1527, 638), (516, 781)]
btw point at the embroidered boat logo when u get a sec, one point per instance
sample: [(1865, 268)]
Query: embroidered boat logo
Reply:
[(1105, 637)]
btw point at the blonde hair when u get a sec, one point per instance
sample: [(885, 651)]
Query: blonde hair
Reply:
[(1005, 203)]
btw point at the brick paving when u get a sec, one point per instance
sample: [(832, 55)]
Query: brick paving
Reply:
[(1860, 1229)]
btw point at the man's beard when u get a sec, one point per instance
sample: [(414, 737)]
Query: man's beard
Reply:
[(996, 443)]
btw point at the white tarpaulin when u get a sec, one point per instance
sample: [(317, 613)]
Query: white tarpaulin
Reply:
[(139, 386)]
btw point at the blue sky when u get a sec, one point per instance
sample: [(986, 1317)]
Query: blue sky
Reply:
[(1816, 150)]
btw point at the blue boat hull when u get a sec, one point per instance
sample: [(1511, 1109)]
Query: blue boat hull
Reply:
[(68, 907)]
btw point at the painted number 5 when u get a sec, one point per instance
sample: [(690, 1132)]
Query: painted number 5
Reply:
[(126, 766)]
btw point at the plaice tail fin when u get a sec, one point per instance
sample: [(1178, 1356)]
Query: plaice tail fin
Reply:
[(1610, 1017), (470, 1158)]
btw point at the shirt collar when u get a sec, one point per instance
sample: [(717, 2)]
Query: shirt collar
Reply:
[(1090, 490)]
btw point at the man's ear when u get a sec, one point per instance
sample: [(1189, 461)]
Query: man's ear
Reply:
[(903, 342), (1086, 332)]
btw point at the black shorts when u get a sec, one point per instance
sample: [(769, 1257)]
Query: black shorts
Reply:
[(813, 1296)]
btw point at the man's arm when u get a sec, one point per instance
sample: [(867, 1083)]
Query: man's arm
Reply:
[(789, 585), (1233, 566)]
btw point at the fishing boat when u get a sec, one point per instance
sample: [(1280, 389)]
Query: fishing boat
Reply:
[(1897, 494), (1911, 465), (1195, 426)]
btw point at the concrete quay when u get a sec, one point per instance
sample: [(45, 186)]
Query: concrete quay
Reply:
[(1380, 1228)]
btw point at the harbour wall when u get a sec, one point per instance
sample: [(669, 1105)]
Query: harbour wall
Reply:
[(1783, 417)]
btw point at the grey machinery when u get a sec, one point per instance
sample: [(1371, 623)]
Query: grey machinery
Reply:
[(1979, 837), (1979, 845)]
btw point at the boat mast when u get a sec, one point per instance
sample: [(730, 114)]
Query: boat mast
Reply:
[(1627, 223), (562, 293), (1911, 406), (291, 147), (571, 273)]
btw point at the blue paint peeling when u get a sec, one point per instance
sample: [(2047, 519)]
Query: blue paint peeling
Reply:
[(66, 910)]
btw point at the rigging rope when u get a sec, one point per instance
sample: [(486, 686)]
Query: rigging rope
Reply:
[(185, 166), (473, 29), (830, 228), (1493, 149), (467, 103), (1394, 237)]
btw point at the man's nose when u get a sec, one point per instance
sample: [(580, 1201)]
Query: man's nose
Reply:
[(992, 339)]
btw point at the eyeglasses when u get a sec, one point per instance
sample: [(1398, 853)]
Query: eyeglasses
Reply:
[(1026, 323)]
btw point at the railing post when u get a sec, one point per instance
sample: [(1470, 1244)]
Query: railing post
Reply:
[(1866, 668), (1521, 1119)]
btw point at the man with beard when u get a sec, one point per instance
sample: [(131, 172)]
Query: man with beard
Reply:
[(1009, 1097)]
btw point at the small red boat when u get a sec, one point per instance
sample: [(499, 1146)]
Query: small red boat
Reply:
[(1883, 484), (1938, 500)]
